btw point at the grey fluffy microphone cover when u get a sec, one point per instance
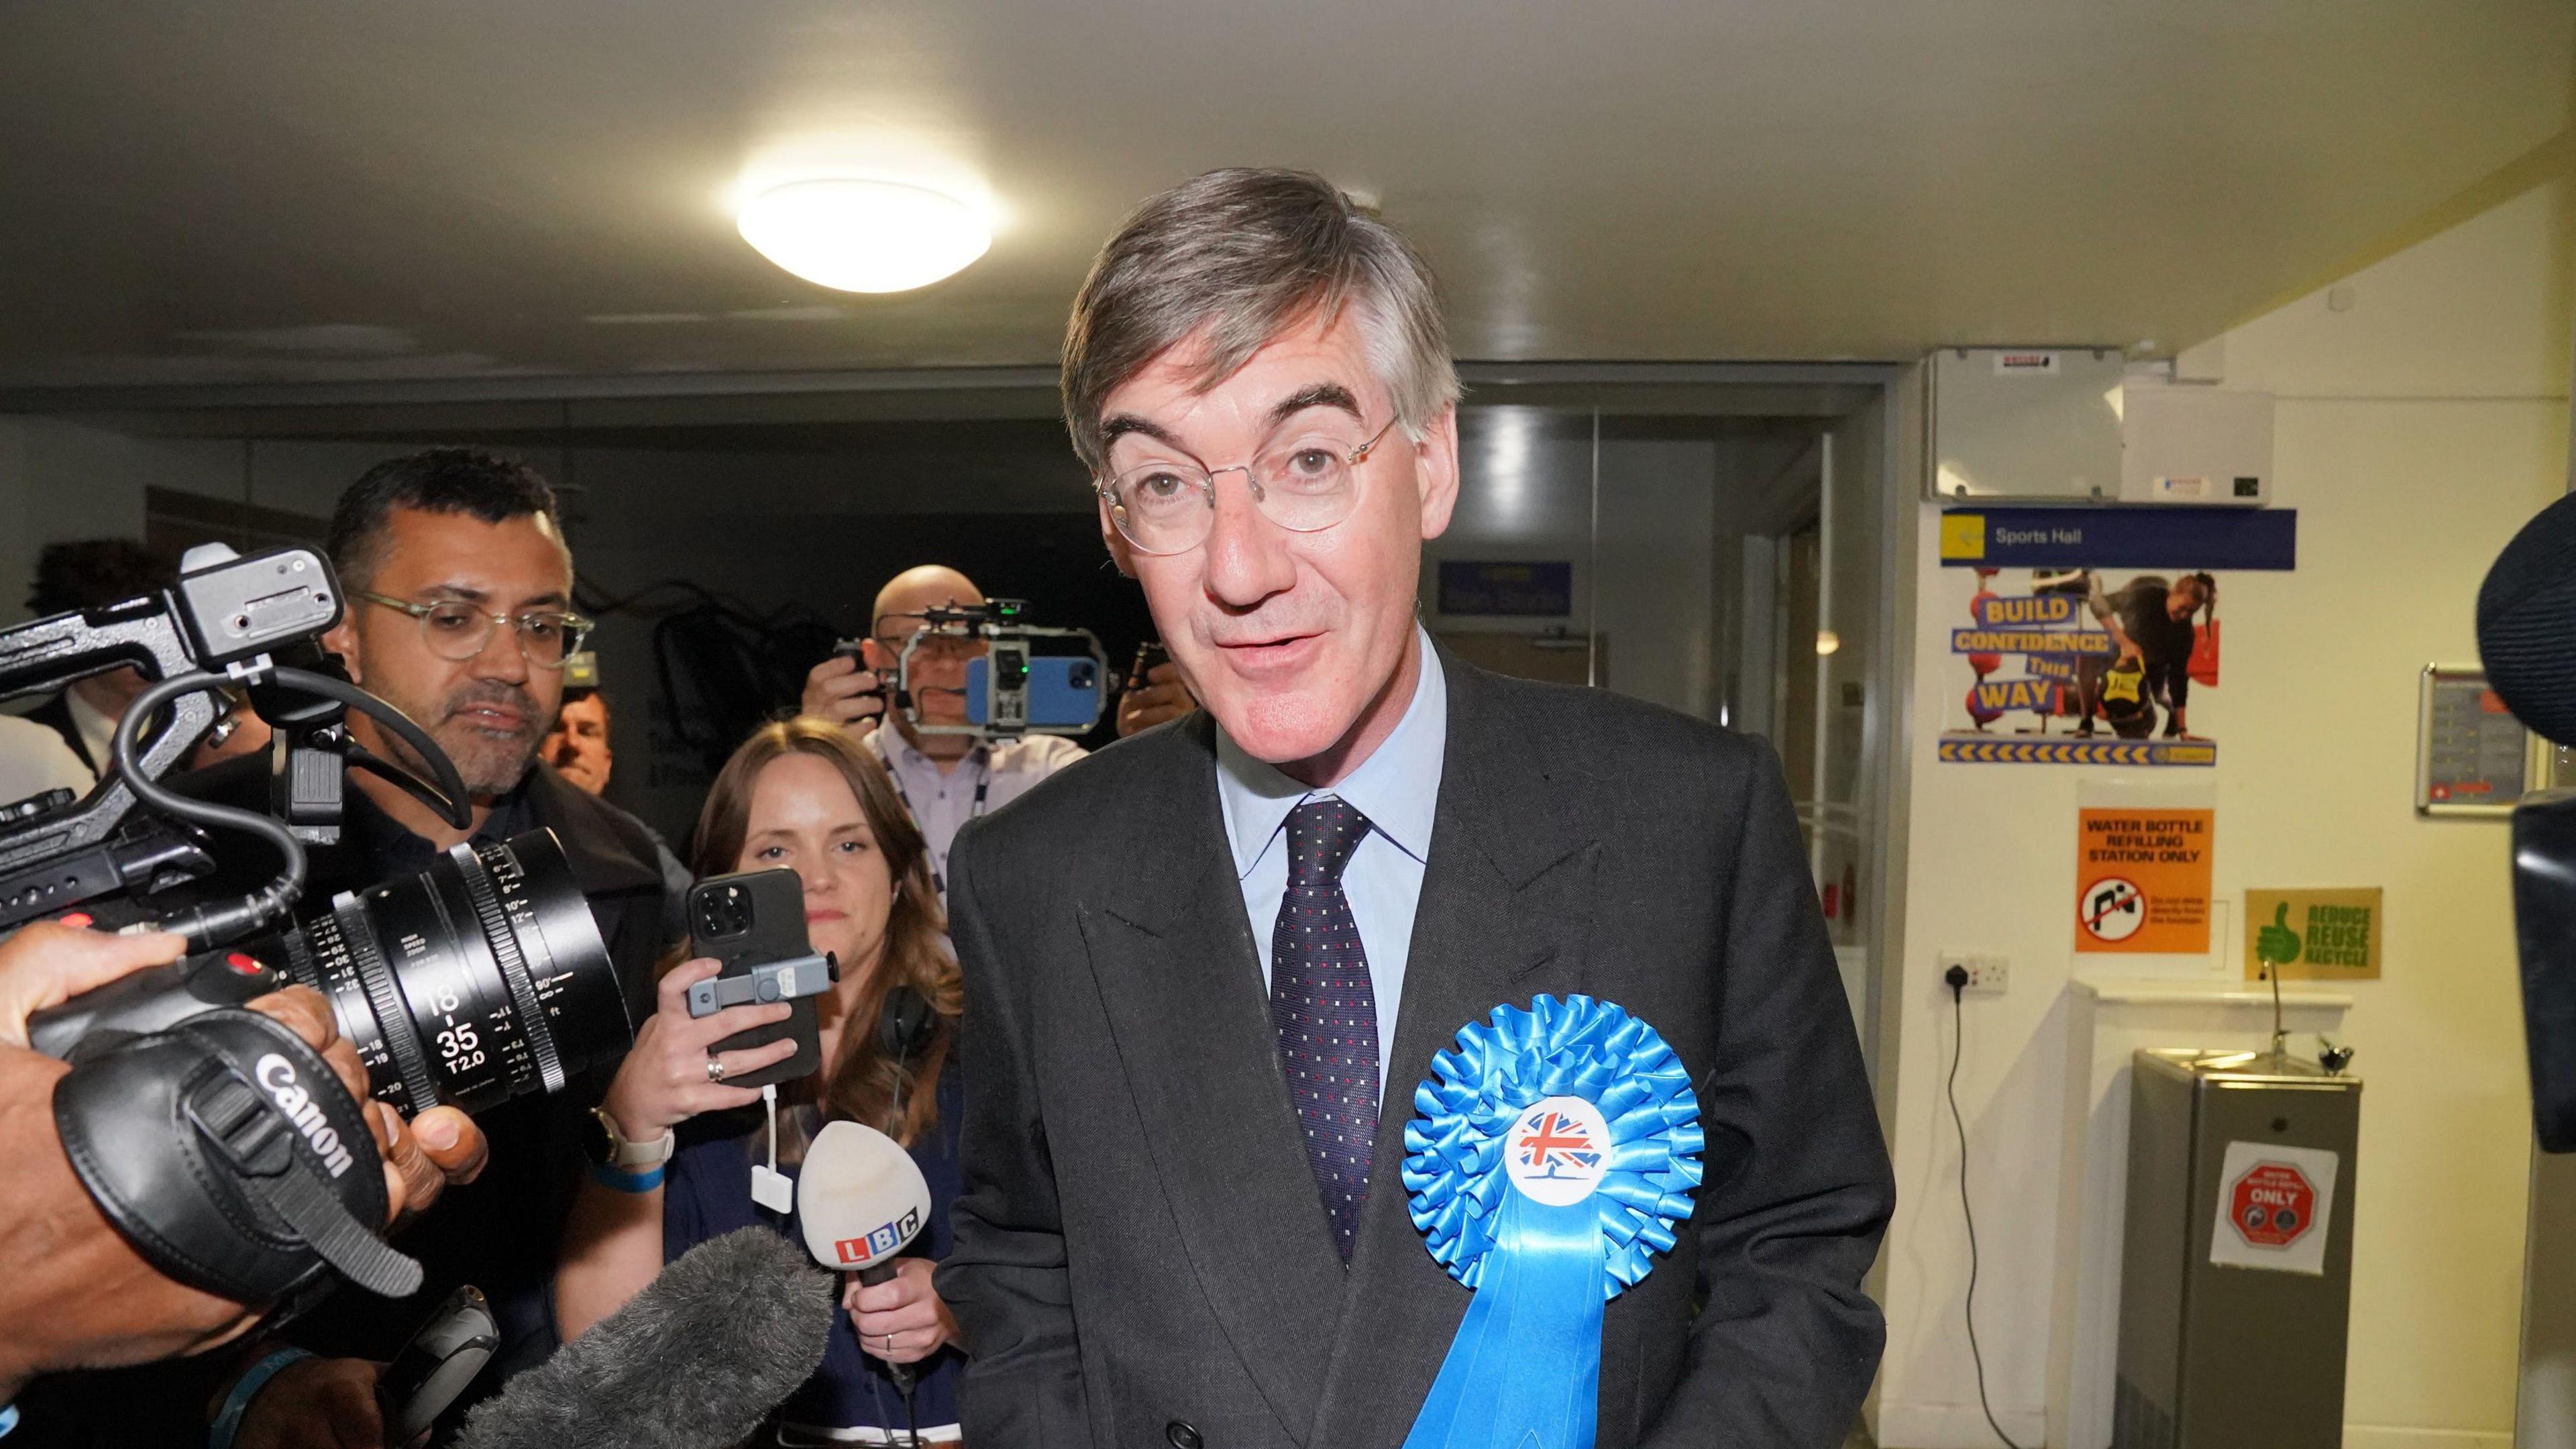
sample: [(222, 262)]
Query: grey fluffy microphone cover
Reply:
[(695, 1361)]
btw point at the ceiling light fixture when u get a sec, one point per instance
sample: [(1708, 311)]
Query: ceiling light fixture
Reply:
[(864, 236)]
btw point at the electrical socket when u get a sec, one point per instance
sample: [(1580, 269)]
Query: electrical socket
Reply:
[(1987, 975)]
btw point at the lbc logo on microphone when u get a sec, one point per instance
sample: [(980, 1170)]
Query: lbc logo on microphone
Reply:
[(879, 1242)]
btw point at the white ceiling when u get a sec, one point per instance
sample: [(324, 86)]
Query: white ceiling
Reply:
[(354, 189)]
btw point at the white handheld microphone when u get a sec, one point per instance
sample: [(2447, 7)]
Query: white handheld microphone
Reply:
[(862, 1198)]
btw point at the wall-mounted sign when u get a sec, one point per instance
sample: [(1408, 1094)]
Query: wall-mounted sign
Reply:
[(2076, 667), (2142, 880), (2472, 757), (2162, 537), (2329, 935), (1523, 588)]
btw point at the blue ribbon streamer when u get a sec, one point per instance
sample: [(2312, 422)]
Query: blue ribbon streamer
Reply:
[(1524, 1370)]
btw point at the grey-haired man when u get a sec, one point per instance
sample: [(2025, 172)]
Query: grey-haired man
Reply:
[(1229, 947)]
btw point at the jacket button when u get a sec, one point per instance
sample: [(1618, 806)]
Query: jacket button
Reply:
[(1181, 1436)]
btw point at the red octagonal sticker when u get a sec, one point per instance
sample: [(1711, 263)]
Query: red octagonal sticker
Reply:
[(2272, 1205)]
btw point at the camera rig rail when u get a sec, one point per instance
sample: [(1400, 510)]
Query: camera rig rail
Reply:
[(1027, 680)]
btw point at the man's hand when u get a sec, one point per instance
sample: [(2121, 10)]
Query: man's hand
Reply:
[(903, 1319), (440, 1146), (1161, 697), (839, 690), (48, 963), (319, 1403)]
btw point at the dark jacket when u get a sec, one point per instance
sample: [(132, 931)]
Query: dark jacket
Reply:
[(502, 1232), (1139, 1244)]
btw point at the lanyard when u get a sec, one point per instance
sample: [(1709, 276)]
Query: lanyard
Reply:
[(974, 811)]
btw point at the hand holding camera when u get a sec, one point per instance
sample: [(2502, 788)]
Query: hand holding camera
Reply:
[(845, 691)]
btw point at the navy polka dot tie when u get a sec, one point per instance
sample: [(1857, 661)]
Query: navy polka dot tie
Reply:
[(1326, 1011)]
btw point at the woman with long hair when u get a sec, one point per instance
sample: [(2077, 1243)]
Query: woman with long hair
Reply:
[(798, 794)]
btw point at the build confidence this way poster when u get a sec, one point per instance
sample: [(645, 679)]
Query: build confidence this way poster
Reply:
[(2079, 636)]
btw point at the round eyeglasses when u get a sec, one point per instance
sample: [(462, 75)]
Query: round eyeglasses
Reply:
[(1305, 484), (457, 631)]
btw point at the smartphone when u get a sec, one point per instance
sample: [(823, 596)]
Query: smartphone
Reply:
[(751, 920), (1057, 691)]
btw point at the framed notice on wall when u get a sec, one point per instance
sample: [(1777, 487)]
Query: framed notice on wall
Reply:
[(2472, 757)]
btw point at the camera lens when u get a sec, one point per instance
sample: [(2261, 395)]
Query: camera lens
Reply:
[(480, 979)]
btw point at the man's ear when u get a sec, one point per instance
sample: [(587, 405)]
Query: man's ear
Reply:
[(1119, 553), (342, 639), (1435, 471), (875, 655)]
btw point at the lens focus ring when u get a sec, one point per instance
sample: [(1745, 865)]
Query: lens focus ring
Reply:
[(358, 940), (504, 942)]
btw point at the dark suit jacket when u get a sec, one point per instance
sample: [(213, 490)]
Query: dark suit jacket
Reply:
[(1140, 1245)]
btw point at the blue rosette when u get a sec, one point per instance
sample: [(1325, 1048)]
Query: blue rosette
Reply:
[(1550, 1155)]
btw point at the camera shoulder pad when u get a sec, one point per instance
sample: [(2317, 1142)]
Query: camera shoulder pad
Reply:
[(228, 1153)]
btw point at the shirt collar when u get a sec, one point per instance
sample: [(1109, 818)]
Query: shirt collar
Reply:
[(900, 753), (1397, 787)]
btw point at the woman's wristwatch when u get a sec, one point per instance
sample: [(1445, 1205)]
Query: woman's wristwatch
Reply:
[(624, 1166)]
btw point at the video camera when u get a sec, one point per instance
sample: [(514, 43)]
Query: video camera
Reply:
[(1025, 681), (214, 1139)]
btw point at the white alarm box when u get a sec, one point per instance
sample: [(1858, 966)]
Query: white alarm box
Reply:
[(2181, 443)]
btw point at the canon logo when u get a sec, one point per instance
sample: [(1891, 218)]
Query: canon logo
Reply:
[(277, 1074)]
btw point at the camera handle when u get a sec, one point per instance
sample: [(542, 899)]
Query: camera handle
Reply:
[(217, 922)]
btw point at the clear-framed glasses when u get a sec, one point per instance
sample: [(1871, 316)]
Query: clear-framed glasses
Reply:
[(1305, 483), (457, 631), (893, 631)]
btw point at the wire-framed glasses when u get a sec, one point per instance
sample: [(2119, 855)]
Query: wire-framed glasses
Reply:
[(1305, 483)]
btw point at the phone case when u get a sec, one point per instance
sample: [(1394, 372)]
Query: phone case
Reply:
[(749, 920)]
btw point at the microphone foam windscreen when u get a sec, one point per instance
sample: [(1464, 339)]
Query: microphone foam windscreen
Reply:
[(695, 1361), (2527, 623)]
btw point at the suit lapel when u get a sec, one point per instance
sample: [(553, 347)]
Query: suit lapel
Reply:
[(1173, 958), (1505, 915)]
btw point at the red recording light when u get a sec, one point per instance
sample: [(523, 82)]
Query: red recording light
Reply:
[(246, 965)]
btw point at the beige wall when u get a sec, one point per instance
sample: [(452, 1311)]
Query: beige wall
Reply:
[(2418, 425)]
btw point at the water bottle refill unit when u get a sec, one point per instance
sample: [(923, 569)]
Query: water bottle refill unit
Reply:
[(2236, 1274)]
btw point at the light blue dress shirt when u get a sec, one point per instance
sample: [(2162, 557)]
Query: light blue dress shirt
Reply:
[(1398, 788)]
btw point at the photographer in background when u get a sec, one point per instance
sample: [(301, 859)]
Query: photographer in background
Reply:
[(73, 1291), (945, 780), (458, 586), (92, 573)]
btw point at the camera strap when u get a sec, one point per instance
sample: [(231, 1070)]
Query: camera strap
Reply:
[(226, 1151)]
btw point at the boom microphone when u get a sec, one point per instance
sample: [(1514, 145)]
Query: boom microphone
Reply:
[(2527, 639), (695, 1361), (2527, 623)]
